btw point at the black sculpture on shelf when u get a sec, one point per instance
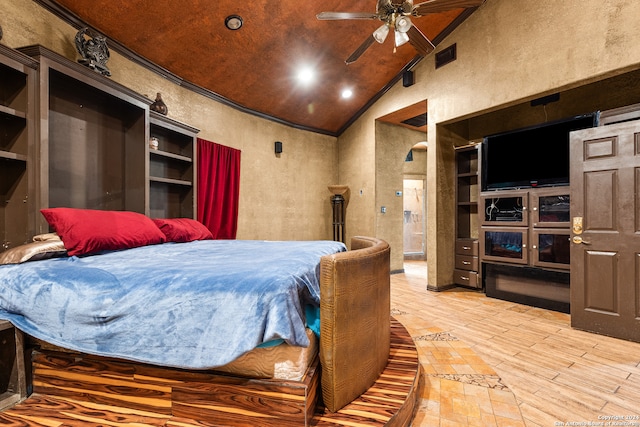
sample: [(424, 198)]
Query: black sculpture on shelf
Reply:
[(94, 50), (158, 105)]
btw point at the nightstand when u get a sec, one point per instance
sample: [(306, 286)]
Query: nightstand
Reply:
[(13, 386)]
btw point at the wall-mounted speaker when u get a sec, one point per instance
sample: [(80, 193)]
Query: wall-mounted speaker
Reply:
[(407, 78), (278, 147), (554, 97)]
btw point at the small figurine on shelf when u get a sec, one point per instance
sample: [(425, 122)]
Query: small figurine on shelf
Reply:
[(159, 106), (94, 51)]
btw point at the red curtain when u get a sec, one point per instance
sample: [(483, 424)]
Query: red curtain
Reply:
[(218, 188)]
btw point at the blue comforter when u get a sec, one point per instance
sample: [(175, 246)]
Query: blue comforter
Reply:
[(188, 305)]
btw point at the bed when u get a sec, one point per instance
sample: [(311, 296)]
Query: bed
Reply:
[(179, 300)]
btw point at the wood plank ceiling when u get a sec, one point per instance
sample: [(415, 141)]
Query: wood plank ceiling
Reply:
[(255, 68)]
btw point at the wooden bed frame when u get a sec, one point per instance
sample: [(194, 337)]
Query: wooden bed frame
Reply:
[(74, 390), (354, 351)]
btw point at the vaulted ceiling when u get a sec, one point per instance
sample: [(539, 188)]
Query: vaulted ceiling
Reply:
[(255, 68)]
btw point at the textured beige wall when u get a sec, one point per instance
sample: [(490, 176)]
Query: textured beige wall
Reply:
[(283, 197), (392, 145), (416, 169), (508, 51)]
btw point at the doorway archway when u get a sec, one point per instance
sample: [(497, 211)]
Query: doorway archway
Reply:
[(395, 140), (414, 173)]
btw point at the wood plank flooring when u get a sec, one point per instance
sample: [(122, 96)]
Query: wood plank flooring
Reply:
[(558, 376)]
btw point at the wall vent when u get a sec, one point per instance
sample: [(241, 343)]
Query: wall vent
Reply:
[(417, 121), (446, 55)]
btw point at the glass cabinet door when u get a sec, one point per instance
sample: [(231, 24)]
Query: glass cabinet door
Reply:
[(551, 248), (505, 209), (551, 210), (507, 244)]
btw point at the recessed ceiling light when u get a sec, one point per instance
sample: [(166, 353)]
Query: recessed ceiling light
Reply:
[(306, 75), (233, 22), (347, 93)]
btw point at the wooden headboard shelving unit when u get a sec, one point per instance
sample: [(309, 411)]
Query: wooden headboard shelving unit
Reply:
[(78, 139), (18, 74)]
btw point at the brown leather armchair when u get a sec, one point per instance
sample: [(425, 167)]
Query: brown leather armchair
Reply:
[(354, 319)]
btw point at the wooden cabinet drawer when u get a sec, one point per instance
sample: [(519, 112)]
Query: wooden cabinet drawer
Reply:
[(466, 262), (465, 278), (467, 247)]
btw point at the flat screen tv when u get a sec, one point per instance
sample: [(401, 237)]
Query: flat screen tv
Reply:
[(536, 156)]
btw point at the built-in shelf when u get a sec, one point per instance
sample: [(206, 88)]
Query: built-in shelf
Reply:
[(12, 172), (94, 150), (12, 156), (171, 155), (466, 270), (12, 112), (170, 181), (18, 80), (172, 171), (467, 174)]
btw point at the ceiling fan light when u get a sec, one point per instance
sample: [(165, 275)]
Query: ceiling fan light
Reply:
[(403, 24), (401, 38), (380, 35)]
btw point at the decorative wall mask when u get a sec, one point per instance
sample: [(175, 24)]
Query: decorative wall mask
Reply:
[(94, 50)]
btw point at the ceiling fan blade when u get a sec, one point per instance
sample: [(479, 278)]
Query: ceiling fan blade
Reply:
[(333, 16), (360, 50), (435, 6), (419, 41)]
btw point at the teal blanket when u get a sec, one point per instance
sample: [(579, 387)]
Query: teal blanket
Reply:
[(190, 305)]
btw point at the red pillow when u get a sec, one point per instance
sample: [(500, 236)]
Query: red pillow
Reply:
[(85, 231), (182, 230)]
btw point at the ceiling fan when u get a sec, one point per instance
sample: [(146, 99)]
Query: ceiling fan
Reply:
[(396, 14)]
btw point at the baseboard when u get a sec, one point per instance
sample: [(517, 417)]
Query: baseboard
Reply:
[(442, 288)]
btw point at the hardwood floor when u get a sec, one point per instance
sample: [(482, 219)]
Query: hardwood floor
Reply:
[(557, 375)]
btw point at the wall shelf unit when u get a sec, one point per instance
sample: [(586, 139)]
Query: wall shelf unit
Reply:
[(71, 137), (18, 74), (172, 167), (91, 148), (466, 272)]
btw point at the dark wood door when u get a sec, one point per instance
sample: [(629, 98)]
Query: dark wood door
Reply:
[(605, 235)]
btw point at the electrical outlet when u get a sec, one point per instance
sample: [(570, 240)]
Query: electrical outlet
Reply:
[(383, 209)]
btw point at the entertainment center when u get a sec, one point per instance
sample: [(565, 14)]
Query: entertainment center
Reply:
[(524, 222)]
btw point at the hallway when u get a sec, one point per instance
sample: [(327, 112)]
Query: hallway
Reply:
[(478, 353)]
